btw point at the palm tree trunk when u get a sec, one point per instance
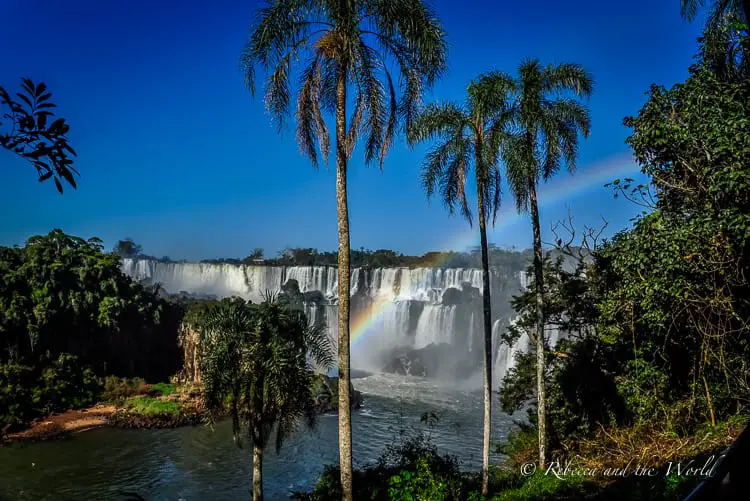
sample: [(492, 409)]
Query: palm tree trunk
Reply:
[(257, 473), (342, 207), (487, 332), (539, 279)]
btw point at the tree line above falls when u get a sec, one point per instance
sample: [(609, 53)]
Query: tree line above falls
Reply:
[(499, 257)]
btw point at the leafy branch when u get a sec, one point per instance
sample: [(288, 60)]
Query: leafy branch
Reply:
[(34, 136)]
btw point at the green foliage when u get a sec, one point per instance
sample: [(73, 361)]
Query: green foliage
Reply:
[(62, 294), (17, 383), (408, 468), (658, 315), (117, 390), (164, 389), (338, 55), (67, 312), (35, 136), (420, 486), (679, 300), (257, 357), (54, 385), (150, 406), (541, 487), (522, 444), (64, 384)]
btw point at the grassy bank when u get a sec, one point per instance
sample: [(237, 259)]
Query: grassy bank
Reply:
[(130, 403), (619, 464)]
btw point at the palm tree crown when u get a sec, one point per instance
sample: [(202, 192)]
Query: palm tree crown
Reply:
[(718, 10), (466, 134), (547, 120), (258, 357), (354, 41)]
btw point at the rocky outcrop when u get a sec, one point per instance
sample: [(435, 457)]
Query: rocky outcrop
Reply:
[(435, 360), (326, 391), (465, 295)]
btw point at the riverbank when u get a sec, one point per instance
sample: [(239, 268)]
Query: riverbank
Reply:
[(144, 406), (62, 425), (137, 412)]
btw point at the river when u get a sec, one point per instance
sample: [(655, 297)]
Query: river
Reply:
[(194, 463)]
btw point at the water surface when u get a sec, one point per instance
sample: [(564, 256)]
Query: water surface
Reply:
[(194, 463)]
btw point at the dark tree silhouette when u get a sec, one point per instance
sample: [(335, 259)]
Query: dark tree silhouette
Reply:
[(127, 248), (33, 135)]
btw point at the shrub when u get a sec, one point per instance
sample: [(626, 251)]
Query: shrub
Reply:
[(164, 389), (148, 406), (17, 383), (411, 469), (522, 445), (117, 390), (65, 385), (54, 385), (422, 485)]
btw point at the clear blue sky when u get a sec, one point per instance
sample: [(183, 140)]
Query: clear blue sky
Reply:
[(175, 153)]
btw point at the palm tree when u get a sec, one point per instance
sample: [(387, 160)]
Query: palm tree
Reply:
[(257, 357), (345, 45), (719, 8), (468, 134), (547, 120)]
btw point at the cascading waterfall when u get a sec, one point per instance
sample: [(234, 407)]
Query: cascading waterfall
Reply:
[(505, 356), (397, 312), (437, 325)]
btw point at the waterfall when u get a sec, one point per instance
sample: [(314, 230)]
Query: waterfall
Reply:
[(312, 278), (394, 308), (437, 324), (505, 356)]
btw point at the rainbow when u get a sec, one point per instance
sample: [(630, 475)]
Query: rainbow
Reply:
[(593, 176)]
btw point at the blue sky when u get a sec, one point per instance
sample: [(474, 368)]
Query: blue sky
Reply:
[(175, 153)]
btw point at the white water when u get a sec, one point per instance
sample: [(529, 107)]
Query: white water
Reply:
[(394, 291)]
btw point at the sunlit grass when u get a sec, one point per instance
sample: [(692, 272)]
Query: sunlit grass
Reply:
[(148, 406), (539, 487), (164, 388)]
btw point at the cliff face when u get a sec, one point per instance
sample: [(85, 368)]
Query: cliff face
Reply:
[(325, 388), (428, 319), (188, 339)]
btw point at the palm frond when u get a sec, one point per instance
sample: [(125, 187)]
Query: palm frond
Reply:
[(437, 120), (390, 128), (444, 170), (256, 357), (567, 77), (359, 40), (310, 123), (689, 8), (520, 165), (365, 74)]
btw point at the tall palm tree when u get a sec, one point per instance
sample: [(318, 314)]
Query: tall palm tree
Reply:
[(346, 46), (719, 8), (258, 358), (470, 134), (547, 120)]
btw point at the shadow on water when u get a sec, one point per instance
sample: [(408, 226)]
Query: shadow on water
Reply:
[(195, 463)]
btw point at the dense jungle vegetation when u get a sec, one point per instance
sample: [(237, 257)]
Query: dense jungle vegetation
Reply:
[(68, 317)]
